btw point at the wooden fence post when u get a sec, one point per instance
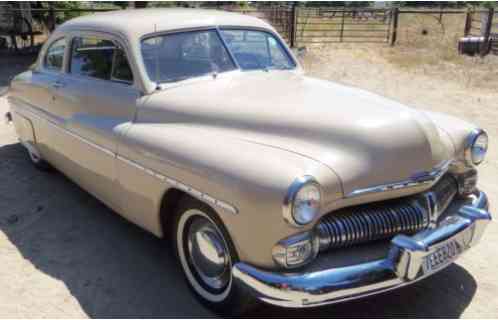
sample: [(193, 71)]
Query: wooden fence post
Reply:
[(395, 14), (342, 26), (468, 23), (293, 25), (487, 32), (51, 19)]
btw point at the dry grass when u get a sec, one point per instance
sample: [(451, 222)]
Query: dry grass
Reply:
[(426, 46), (430, 44), (423, 71)]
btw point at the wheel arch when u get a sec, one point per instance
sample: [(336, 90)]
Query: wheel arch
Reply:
[(169, 202)]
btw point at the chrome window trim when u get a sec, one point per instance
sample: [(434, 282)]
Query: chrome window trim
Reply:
[(117, 46), (230, 53), (118, 42), (43, 65), (139, 82), (419, 179)]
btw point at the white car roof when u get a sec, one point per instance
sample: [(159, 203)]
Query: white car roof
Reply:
[(135, 23)]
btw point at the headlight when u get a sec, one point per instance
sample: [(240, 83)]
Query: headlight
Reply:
[(297, 250), (477, 147), (302, 202)]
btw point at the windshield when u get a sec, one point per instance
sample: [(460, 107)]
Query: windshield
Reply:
[(256, 49), (179, 56), (183, 55)]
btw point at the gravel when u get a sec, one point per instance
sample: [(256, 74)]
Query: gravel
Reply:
[(65, 255)]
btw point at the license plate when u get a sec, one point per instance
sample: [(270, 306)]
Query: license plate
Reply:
[(442, 256)]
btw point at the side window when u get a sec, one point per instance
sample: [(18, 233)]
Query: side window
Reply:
[(257, 49), (55, 55), (121, 70), (277, 54), (99, 58), (92, 57)]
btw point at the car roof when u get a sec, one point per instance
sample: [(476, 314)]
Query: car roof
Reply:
[(135, 23)]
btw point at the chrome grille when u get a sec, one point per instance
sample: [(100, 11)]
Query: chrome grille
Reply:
[(445, 190), (382, 220)]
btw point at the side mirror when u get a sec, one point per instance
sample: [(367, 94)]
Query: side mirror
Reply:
[(300, 52)]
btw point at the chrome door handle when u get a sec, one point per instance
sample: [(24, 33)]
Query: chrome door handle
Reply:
[(8, 118)]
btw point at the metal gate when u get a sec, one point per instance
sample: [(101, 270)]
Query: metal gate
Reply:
[(325, 25)]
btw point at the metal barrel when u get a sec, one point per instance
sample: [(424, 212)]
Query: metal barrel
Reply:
[(471, 45)]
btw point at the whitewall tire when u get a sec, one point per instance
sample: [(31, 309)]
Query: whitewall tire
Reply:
[(206, 256)]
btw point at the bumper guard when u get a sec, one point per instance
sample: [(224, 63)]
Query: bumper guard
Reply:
[(409, 259)]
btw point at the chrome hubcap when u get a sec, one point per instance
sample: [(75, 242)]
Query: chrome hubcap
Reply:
[(207, 253)]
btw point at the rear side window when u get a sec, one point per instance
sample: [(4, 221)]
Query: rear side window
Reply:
[(92, 57), (55, 55), (99, 58)]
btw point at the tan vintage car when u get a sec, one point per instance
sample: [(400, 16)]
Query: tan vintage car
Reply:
[(201, 127)]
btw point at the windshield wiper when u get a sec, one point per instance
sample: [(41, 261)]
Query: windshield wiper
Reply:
[(268, 68), (174, 79), (214, 74)]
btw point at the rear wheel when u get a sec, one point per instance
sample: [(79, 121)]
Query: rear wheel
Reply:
[(206, 256), (37, 160)]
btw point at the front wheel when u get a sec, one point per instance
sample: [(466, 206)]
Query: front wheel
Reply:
[(206, 256)]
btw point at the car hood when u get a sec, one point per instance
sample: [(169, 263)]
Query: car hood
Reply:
[(365, 139)]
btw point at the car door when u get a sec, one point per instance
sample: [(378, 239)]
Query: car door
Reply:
[(31, 99), (97, 99)]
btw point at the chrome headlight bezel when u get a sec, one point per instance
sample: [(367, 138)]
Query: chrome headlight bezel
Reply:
[(470, 151), (290, 197)]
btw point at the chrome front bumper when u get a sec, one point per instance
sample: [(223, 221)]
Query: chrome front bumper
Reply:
[(403, 264)]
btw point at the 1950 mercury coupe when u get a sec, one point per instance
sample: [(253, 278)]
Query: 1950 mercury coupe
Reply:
[(200, 127)]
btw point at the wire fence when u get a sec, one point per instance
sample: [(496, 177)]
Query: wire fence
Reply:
[(324, 25), (484, 24), (299, 26)]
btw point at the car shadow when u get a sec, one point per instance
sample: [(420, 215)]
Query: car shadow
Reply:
[(114, 269), (443, 295)]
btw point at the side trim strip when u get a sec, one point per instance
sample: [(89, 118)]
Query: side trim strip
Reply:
[(74, 135), (88, 142), (186, 188), (193, 192)]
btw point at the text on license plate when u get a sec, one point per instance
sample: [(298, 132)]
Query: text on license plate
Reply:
[(443, 255)]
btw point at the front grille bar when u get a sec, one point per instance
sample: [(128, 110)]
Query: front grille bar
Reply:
[(370, 224), (377, 221)]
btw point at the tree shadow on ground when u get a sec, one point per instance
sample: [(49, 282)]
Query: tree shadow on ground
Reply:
[(114, 269), (12, 64)]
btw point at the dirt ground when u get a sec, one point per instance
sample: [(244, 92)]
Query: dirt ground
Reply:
[(65, 255)]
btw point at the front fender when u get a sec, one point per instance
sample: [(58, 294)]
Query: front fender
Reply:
[(251, 177), (454, 131)]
